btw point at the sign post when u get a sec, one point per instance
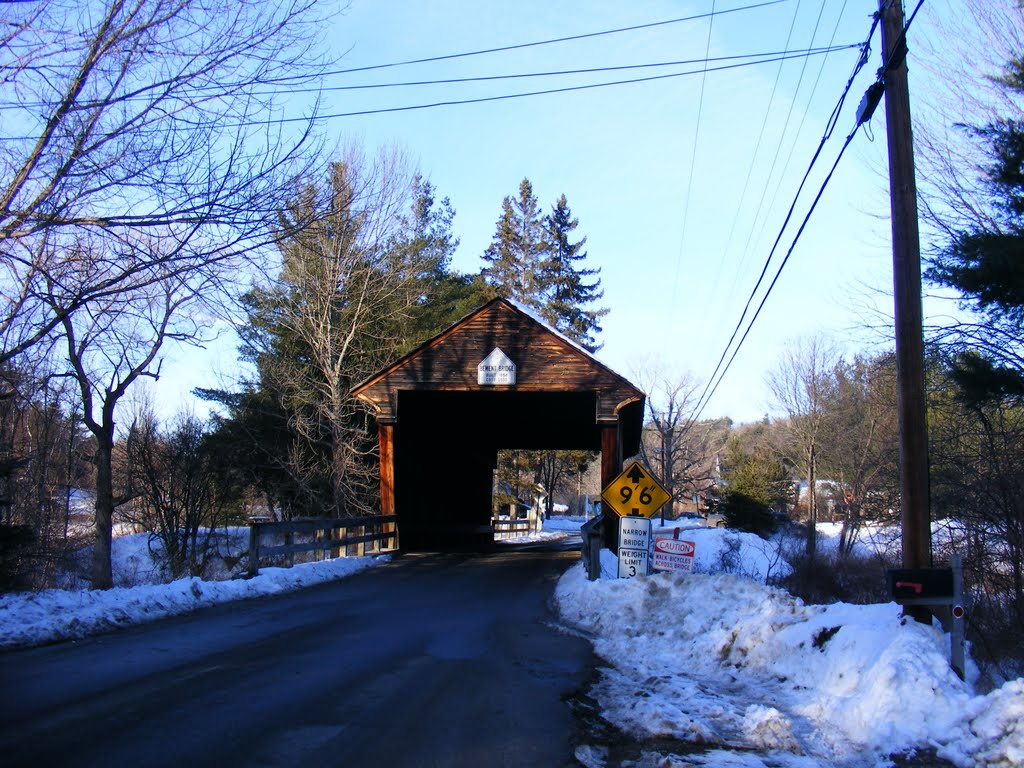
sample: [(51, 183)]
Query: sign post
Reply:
[(635, 496)]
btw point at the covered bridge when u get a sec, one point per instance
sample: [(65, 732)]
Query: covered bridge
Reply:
[(497, 379)]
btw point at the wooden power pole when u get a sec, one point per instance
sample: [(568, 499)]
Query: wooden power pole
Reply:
[(906, 257)]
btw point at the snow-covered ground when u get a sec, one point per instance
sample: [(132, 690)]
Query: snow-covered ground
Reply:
[(712, 657)]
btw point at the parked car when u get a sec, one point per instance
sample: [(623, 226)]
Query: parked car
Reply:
[(715, 520)]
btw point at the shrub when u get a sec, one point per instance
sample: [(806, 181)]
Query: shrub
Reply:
[(837, 579)]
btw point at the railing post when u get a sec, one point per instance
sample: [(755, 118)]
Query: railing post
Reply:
[(591, 550), (254, 548)]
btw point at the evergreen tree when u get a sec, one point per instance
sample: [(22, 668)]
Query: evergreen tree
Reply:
[(364, 278), (984, 263), (444, 296), (514, 259), (756, 482), (568, 293), (533, 260)]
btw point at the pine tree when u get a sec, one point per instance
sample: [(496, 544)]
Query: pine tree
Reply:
[(567, 291), (756, 481), (983, 263), (364, 278), (444, 295), (514, 257)]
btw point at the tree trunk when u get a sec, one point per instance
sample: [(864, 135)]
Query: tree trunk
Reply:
[(102, 576), (812, 504)]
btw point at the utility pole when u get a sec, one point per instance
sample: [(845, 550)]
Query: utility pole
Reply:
[(906, 259)]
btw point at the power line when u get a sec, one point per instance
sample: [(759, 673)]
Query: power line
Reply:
[(893, 60), (775, 279), (483, 99), (757, 148), (778, 149), (693, 161), (585, 71), (503, 97), (553, 41), (799, 130), (713, 384), (757, 57)]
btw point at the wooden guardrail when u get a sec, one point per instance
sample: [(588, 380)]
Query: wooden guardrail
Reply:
[(344, 535), (506, 529)]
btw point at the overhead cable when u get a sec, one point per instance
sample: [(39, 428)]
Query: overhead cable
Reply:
[(556, 40), (894, 60), (525, 94), (715, 378), (693, 162)]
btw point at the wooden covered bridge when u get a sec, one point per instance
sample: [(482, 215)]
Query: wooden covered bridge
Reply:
[(497, 379)]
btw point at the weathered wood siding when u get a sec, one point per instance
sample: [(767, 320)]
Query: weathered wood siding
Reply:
[(545, 362)]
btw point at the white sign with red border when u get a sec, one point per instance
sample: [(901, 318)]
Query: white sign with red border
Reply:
[(673, 554)]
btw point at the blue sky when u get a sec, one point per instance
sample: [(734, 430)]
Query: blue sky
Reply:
[(680, 185)]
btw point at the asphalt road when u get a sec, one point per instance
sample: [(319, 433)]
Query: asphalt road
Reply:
[(430, 660)]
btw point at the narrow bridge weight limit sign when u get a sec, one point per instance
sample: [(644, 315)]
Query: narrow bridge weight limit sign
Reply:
[(635, 492)]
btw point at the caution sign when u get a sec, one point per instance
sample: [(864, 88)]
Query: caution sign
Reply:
[(673, 554), (635, 493)]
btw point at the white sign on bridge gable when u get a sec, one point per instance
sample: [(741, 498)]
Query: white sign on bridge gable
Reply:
[(496, 368)]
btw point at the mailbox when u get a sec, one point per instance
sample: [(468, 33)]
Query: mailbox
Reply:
[(942, 591), (921, 586)]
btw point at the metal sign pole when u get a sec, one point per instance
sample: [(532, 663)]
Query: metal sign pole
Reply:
[(957, 633)]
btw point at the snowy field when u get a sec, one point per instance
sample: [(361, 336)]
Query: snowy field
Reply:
[(714, 657)]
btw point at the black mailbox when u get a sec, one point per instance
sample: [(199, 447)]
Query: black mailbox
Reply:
[(919, 585)]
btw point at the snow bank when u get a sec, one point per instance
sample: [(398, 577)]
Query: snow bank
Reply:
[(720, 659), (718, 550), (40, 617)]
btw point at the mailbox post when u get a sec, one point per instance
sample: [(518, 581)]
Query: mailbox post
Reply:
[(940, 590)]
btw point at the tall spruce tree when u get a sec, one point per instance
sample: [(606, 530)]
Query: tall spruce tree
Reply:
[(568, 294), (443, 295), (513, 260)]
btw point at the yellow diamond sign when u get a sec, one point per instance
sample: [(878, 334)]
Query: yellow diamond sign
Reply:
[(635, 492)]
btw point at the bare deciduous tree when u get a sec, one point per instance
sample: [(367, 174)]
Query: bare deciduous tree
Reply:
[(680, 451), (144, 154), (121, 115), (860, 444), (351, 281), (959, 64), (800, 388), (110, 345), (181, 500)]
